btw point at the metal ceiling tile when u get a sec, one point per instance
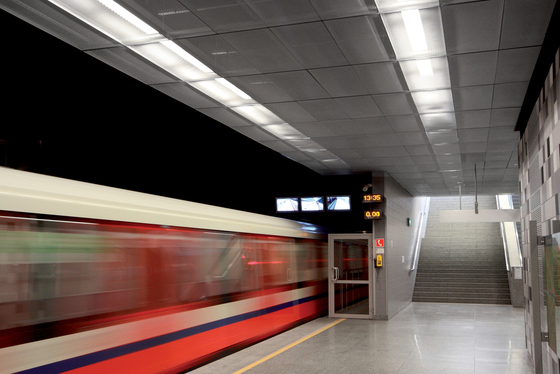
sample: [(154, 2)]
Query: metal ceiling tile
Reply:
[(473, 135), (346, 154), (497, 156), (374, 125), (278, 146), (509, 95), (171, 16), (473, 69), (340, 81), (299, 85), (225, 15), (311, 44), (324, 110), (261, 88), (297, 156), (472, 98), (516, 65), (472, 27), (255, 133), (442, 149), (519, 26), (263, 50), (214, 51), (388, 152), (395, 104), (473, 119), (359, 40), (409, 169), (283, 12), (359, 106), (226, 116), (291, 112), (412, 138), (506, 117), (442, 136), (130, 63), (416, 150), (343, 127), (313, 129), (495, 164), (187, 95), (425, 160), (474, 147), (427, 167), (409, 123), (503, 133), (329, 9), (380, 78)]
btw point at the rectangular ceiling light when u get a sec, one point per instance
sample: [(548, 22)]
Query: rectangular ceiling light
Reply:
[(174, 59), (438, 121), (433, 101), (415, 33), (111, 19), (258, 114), (388, 6), (285, 132), (226, 94), (426, 74)]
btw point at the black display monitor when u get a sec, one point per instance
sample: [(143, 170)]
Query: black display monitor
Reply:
[(338, 202), (312, 204), (287, 204)]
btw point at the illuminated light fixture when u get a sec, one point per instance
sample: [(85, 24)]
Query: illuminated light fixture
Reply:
[(186, 56), (425, 68), (233, 88), (111, 19), (169, 56), (258, 114), (415, 29), (435, 121), (285, 131), (386, 6), (426, 74), (433, 101), (227, 94)]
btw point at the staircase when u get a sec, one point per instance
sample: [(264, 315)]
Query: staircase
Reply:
[(461, 262)]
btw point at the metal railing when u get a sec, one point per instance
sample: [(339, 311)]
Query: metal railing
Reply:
[(512, 249)]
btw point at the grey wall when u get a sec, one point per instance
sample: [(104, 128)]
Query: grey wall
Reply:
[(395, 283), (539, 176)]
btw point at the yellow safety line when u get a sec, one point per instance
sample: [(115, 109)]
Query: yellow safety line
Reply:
[(287, 347)]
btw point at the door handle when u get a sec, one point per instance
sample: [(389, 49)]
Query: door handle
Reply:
[(335, 274)]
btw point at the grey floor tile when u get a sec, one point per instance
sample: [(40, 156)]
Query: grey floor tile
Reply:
[(422, 338)]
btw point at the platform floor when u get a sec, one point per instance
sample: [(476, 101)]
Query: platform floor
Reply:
[(426, 338)]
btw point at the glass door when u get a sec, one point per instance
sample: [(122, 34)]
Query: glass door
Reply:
[(350, 275)]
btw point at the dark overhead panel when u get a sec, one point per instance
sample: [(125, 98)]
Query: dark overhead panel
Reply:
[(423, 90)]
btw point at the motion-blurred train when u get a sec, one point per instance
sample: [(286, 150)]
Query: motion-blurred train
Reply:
[(100, 280)]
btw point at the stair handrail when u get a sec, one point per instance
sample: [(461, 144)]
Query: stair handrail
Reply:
[(421, 232), (510, 246)]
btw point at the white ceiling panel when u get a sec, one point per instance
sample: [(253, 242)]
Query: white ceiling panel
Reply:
[(473, 119), (380, 78), (225, 15), (472, 27), (519, 28), (395, 104), (358, 39), (341, 86), (283, 12), (516, 65), (311, 44), (263, 50), (340, 81), (405, 123), (473, 69), (359, 106)]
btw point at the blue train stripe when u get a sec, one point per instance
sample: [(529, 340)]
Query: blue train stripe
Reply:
[(107, 354)]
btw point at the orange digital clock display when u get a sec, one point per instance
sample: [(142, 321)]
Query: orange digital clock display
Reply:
[(372, 198), (373, 214)]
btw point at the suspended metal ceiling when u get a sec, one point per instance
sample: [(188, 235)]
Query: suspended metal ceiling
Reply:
[(338, 93)]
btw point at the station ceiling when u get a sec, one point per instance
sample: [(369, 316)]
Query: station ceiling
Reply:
[(427, 91)]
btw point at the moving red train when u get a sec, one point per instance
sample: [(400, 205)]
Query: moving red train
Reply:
[(101, 280)]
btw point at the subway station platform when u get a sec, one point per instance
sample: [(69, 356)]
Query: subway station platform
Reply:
[(426, 338)]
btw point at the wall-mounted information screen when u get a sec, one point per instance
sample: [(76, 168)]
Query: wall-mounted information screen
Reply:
[(312, 204), (372, 198), (338, 202), (287, 204), (373, 214)]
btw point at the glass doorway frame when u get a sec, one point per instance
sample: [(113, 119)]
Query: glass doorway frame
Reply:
[(334, 272)]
